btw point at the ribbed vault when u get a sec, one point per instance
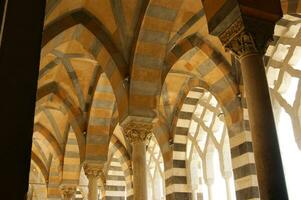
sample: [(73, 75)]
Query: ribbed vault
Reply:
[(103, 61)]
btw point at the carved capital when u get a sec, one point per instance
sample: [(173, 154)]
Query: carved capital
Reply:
[(247, 36), (136, 131), (68, 191), (93, 170)]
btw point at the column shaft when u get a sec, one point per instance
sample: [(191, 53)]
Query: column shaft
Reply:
[(210, 191), (138, 133), (228, 188), (93, 172), (93, 188), (139, 170), (265, 142)]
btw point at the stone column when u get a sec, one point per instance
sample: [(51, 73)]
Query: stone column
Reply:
[(68, 192), (93, 173), (227, 177), (250, 50), (210, 182), (138, 133), (245, 29)]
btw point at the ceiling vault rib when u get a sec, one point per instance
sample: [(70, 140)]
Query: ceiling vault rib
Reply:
[(122, 29), (194, 19), (84, 17), (139, 15), (41, 129), (36, 159)]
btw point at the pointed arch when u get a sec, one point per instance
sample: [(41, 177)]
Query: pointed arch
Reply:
[(149, 55), (74, 113), (72, 164), (189, 43), (241, 153), (36, 159), (100, 121), (55, 178), (117, 147), (41, 129), (93, 45), (87, 19)]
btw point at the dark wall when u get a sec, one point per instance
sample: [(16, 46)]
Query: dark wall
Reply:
[(2, 4), (19, 65)]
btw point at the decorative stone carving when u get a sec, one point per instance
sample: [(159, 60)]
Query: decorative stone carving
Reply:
[(236, 28), (136, 131), (103, 178), (246, 36), (68, 191), (93, 170), (243, 44)]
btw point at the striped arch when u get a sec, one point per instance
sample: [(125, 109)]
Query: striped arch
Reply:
[(117, 148), (149, 54), (99, 125), (82, 26), (214, 72), (115, 181), (189, 43), (72, 164), (41, 129), (74, 113), (175, 161), (241, 152), (55, 178), (87, 19), (55, 57), (40, 164), (220, 84), (163, 130), (37, 183)]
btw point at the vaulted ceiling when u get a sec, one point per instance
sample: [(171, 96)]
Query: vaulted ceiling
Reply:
[(105, 60)]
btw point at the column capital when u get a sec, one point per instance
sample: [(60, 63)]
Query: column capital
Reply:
[(243, 28), (68, 190), (92, 170), (247, 36), (138, 131)]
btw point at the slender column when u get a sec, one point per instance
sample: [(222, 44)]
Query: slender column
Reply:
[(138, 133), (93, 173), (68, 192), (227, 177), (210, 179), (210, 183)]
